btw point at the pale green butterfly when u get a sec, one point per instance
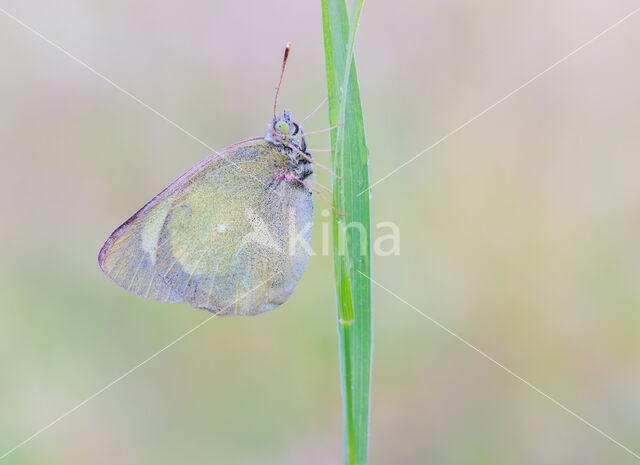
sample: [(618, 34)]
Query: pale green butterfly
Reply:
[(231, 235)]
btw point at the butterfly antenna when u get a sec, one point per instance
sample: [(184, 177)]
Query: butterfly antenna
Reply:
[(284, 63)]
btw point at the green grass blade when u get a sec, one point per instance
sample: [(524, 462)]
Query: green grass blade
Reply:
[(351, 233)]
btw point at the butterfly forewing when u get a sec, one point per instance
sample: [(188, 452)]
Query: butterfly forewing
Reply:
[(229, 236)]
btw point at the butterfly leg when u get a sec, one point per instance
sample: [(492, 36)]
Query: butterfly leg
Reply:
[(311, 160), (291, 177), (322, 186), (320, 131), (324, 100)]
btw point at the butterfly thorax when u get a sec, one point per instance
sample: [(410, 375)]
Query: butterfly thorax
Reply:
[(288, 138)]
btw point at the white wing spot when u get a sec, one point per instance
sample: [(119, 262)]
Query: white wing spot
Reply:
[(222, 228)]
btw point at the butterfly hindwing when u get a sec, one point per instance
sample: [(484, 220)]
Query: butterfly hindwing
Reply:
[(226, 241)]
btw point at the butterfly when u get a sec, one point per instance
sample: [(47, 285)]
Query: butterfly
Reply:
[(231, 235)]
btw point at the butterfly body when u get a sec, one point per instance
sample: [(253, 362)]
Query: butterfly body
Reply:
[(230, 236)]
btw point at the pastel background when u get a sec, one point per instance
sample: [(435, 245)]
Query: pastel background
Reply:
[(519, 233)]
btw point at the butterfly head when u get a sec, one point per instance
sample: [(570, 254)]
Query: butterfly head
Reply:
[(283, 131)]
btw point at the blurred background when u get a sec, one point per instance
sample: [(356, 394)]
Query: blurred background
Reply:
[(519, 233)]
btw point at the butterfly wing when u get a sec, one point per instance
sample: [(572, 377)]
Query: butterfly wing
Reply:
[(228, 236), (128, 255)]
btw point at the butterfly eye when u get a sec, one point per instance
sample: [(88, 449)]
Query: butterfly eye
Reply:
[(283, 127), (296, 128)]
